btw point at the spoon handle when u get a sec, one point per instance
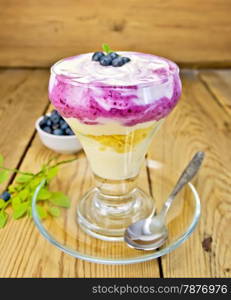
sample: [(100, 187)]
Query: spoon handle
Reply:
[(188, 173)]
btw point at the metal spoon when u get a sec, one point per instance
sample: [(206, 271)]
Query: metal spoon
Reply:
[(151, 233)]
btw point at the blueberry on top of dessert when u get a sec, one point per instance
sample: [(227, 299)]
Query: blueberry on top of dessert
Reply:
[(110, 59)]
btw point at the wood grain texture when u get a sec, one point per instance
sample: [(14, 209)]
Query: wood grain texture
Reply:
[(219, 85), (23, 98), (192, 33), (28, 254), (200, 123)]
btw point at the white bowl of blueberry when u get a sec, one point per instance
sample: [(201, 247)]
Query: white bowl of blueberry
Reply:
[(56, 134)]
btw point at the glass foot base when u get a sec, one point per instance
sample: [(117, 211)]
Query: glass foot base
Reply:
[(106, 217)]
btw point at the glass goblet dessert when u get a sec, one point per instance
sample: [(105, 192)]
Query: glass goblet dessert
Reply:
[(114, 103)]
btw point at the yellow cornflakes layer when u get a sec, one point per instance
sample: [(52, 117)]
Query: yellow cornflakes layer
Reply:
[(122, 143)]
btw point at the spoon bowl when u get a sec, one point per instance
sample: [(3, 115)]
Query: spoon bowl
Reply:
[(151, 233)]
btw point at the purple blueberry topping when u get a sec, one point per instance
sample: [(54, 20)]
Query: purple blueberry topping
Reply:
[(118, 62), (105, 60), (126, 59), (111, 58), (113, 55), (97, 56)]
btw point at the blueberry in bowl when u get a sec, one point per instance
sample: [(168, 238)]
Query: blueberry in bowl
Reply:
[(56, 134)]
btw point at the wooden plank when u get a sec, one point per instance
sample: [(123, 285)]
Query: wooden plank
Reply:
[(25, 253), (199, 123), (23, 98), (37, 33), (219, 85)]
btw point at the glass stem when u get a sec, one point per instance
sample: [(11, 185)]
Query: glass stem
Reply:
[(114, 195)]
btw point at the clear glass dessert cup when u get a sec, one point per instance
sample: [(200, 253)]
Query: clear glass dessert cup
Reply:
[(116, 201), (115, 124)]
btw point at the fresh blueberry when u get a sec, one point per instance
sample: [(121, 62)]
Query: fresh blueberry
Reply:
[(117, 62), (61, 122), (47, 129), (55, 118), (5, 196), (106, 60), (113, 55), (48, 122), (43, 122), (97, 56), (55, 126), (126, 59), (64, 126), (68, 131), (58, 132)]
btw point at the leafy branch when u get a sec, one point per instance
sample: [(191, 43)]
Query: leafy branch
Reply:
[(19, 194)]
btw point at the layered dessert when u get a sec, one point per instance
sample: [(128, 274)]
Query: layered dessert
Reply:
[(114, 102), (115, 109)]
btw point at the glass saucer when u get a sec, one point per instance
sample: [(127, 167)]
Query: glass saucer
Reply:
[(156, 179)]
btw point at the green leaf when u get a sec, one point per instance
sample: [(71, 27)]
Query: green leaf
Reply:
[(1, 160), (2, 203), (106, 48), (24, 194), (15, 202), (59, 199), (24, 178), (44, 194), (52, 172), (20, 210), (11, 188), (41, 211), (3, 218), (3, 176), (35, 182), (54, 211)]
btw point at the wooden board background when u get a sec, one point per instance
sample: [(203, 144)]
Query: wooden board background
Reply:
[(192, 33), (201, 121)]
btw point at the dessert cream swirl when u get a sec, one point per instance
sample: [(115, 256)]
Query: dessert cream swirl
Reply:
[(145, 89)]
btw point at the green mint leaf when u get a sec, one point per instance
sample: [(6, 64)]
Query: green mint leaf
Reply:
[(54, 211), (23, 178), (106, 48), (44, 194), (52, 172), (20, 210), (59, 199), (3, 176), (2, 203), (3, 218), (41, 211), (1, 160)]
